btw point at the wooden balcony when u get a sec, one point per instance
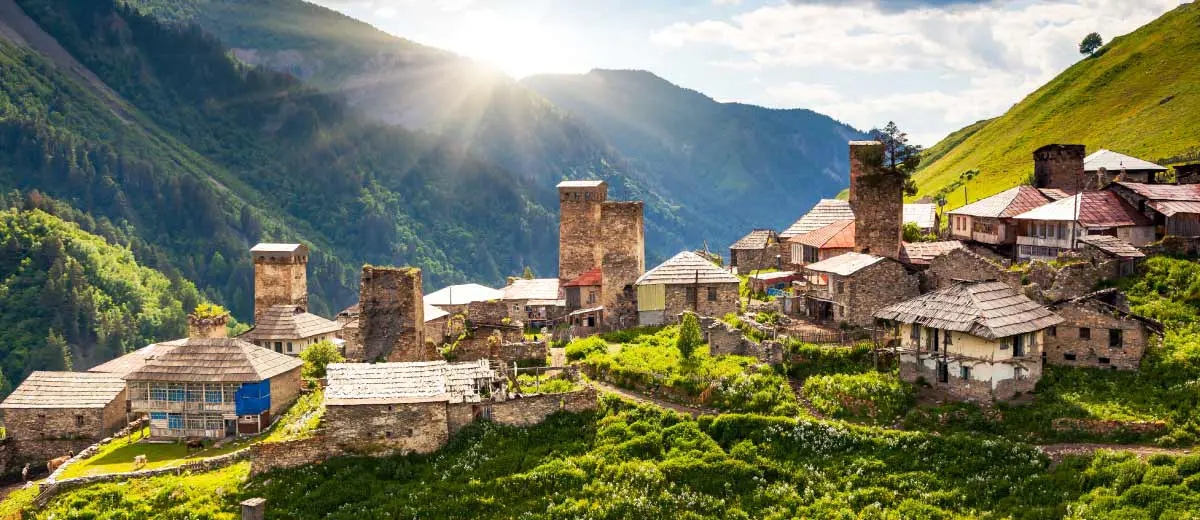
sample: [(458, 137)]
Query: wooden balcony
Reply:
[(181, 406), (1062, 243)]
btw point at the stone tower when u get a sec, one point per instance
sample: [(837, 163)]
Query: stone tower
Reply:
[(1061, 166), (877, 201), (579, 249), (280, 276), (623, 258), (391, 319)]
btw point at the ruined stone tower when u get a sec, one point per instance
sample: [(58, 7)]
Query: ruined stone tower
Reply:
[(877, 201), (1061, 166), (623, 250), (579, 248), (280, 276), (391, 318)]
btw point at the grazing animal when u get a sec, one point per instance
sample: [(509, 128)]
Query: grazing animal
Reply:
[(139, 462), (53, 464), (195, 445)]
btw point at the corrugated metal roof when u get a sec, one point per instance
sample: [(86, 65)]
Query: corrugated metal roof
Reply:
[(844, 264), (824, 213), (581, 184), (536, 289), (1054, 193), (838, 235), (685, 268), (289, 322), (1008, 203), (1172, 207), (920, 253), (1112, 245), (219, 360), (1190, 192), (590, 278), (413, 382), (923, 215), (1091, 209), (463, 294), (989, 310), (65, 390), (1115, 162), (757, 239)]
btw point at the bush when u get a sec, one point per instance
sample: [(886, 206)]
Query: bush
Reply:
[(690, 335), (317, 357), (873, 397), (582, 348), (631, 334)]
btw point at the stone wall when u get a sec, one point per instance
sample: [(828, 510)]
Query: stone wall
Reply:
[(266, 457), (459, 415), (280, 280), (968, 390), (1061, 166), (748, 260), (725, 339), (88, 424), (1073, 280), (579, 230), (622, 251), (726, 302), (960, 264), (527, 411), (875, 287), (475, 345), (493, 312), (877, 200), (402, 427), (1098, 320), (211, 328), (522, 351), (285, 388), (391, 319), (435, 330)]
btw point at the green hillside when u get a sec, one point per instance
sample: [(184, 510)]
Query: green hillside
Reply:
[(1139, 96)]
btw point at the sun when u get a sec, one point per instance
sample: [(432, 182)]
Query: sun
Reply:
[(517, 47)]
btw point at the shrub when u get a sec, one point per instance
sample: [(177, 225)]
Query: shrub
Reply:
[(690, 335), (317, 357), (582, 348), (631, 334), (874, 397)]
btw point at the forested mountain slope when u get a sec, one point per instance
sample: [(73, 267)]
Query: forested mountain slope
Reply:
[(1140, 95)]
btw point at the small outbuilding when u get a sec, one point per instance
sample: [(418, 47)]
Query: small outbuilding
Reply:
[(756, 251), (685, 282), (1099, 331), (849, 288), (65, 405)]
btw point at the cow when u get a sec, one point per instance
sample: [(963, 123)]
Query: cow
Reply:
[(53, 464), (139, 462), (195, 444)]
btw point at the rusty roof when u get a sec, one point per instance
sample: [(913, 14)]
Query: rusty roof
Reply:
[(213, 360), (1054, 193), (1189, 192), (988, 310), (65, 390), (289, 322), (590, 278), (757, 239), (921, 253), (1170, 208), (1008, 203), (1112, 245), (838, 235), (1091, 209)]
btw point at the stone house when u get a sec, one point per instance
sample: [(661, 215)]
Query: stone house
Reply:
[(828, 211), (989, 220), (685, 282), (585, 322), (280, 276), (1108, 166), (964, 265), (822, 243), (536, 302), (65, 405), (289, 330), (436, 320), (922, 215), (1044, 233), (1099, 331), (756, 251), (1060, 166), (584, 291), (849, 288), (210, 387), (974, 340), (920, 254), (1174, 210), (595, 232), (1118, 257)]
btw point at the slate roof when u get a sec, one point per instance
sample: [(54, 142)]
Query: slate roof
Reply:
[(289, 322), (844, 264), (580, 184), (921, 253), (824, 213), (757, 239), (544, 289), (1112, 245), (685, 268), (923, 215), (463, 294), (131, 361), (988, 310), (1091, 209), (268, 248), (1008, 203), (588, 279), (65, 390), (217, 360), (412, 382), (1188, 192), (838, 235), (1115, 162)]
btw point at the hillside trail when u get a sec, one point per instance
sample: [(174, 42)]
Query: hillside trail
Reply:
[(1058, 452), (662, 403), (797, 387)]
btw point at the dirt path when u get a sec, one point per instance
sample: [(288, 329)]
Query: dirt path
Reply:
[(797, 387), (1058, 452), (662, 403)]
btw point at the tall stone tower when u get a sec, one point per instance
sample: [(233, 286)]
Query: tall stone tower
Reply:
[(1061, 166), (280, 276), (623, 258), (579, 249), (877, 201), (391, 317)]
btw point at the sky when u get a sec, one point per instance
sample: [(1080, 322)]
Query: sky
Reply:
[(933, 66)]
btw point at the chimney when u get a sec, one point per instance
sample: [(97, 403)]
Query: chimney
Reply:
[(208, 322), (254, 509), (1061, 166), (280, 276), (877, 201)]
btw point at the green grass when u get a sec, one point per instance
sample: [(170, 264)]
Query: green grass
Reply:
[(871, 397), (208, 496), (117, 456), (17, 501), (300, 420), (1140, 97)]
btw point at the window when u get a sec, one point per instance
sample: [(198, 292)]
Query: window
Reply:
[(289, 347), (1052, 331), (212, 396), (193, 393), (943, 372), (965, 372), (1104, 361), (811, 255), (1069, 356), (591, 296), (841, 287), (175, 392), (158, 416), (1019, 373), (214, 422), (690, 293), (1018, 345), (591, 321), (279, 347), (158, 392), (1115, 338), (175, 421), (78, 421), (1085, 333), (712, 294)]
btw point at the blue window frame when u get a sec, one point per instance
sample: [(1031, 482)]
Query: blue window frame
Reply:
[(175, 393), (193, 393), (158, 392), (158, 416), (175, 421), (213, 396)]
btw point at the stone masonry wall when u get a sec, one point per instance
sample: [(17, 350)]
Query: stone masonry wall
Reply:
[(1061, 166), (875, 287), (285, 388), (527, 411), (281, 280), (725, 339), (391, 320), (579, 230), (751, 259), (961, 264), (35, 424), (266, 457), (1135, 337), (405, 427), (877, 201), (678, 302), (1070, 281), (623, 251), (491, 312), (475, 345)]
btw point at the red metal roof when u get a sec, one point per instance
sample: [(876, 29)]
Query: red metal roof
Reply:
[(1165, 191), (839, 234), (1171, 207), (590, 278), (1107, 209)]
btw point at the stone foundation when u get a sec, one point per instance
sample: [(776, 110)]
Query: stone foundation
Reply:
[(388, 428), (725, 339), (531, 410), (290, 454)]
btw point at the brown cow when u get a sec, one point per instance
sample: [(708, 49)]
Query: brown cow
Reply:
[(53, 464), (195, 444)]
